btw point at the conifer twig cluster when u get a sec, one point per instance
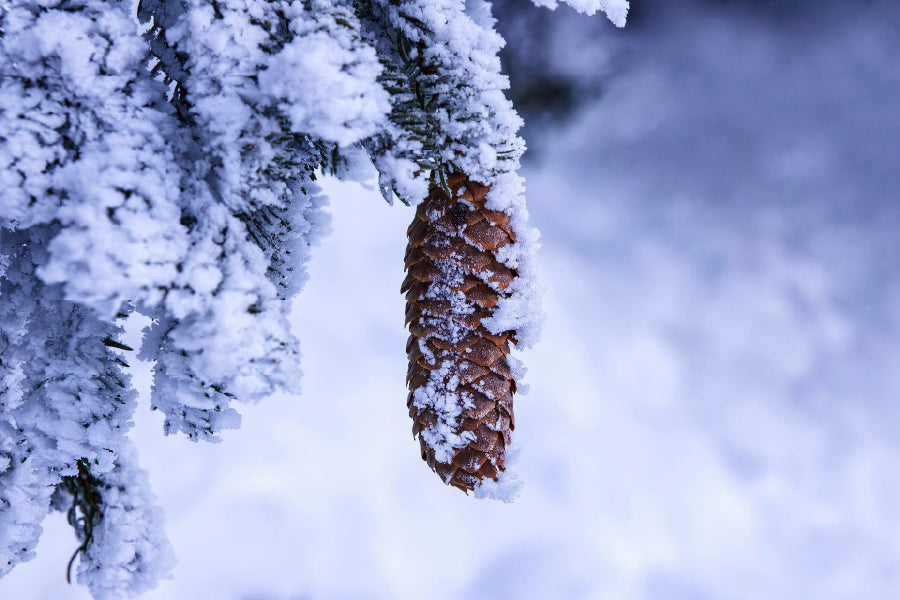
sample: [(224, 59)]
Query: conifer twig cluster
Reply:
[(166, 166)]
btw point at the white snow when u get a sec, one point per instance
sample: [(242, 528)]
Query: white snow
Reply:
[(616, 10), (324, 80)]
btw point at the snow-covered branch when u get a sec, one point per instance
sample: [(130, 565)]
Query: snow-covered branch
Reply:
[(167, 165)]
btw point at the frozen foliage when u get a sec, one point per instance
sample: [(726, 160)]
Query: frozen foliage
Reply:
[(221, 332), (119, 526), (65, 399), (325, 77), (167, 165), (616, 10), (84, 148), (450, 112)]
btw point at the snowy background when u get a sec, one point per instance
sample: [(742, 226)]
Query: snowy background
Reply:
[(714, 406)]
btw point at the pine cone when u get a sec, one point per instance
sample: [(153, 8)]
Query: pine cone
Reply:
[(461, 387)]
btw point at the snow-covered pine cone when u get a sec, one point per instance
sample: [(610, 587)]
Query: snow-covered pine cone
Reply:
[(461, 387)]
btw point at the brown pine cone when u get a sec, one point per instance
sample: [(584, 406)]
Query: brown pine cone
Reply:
[(461, 387)]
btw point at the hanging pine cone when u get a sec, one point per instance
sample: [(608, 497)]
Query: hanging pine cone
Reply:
[(461, 387)]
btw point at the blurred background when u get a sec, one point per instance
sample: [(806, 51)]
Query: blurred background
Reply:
[(713, 409)]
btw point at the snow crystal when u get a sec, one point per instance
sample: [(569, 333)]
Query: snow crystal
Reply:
[(520, 311), (507, 486), (440, 395), (616, 10), (325, 82)]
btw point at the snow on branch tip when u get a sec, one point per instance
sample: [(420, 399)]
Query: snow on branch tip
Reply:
[(615, 10)]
